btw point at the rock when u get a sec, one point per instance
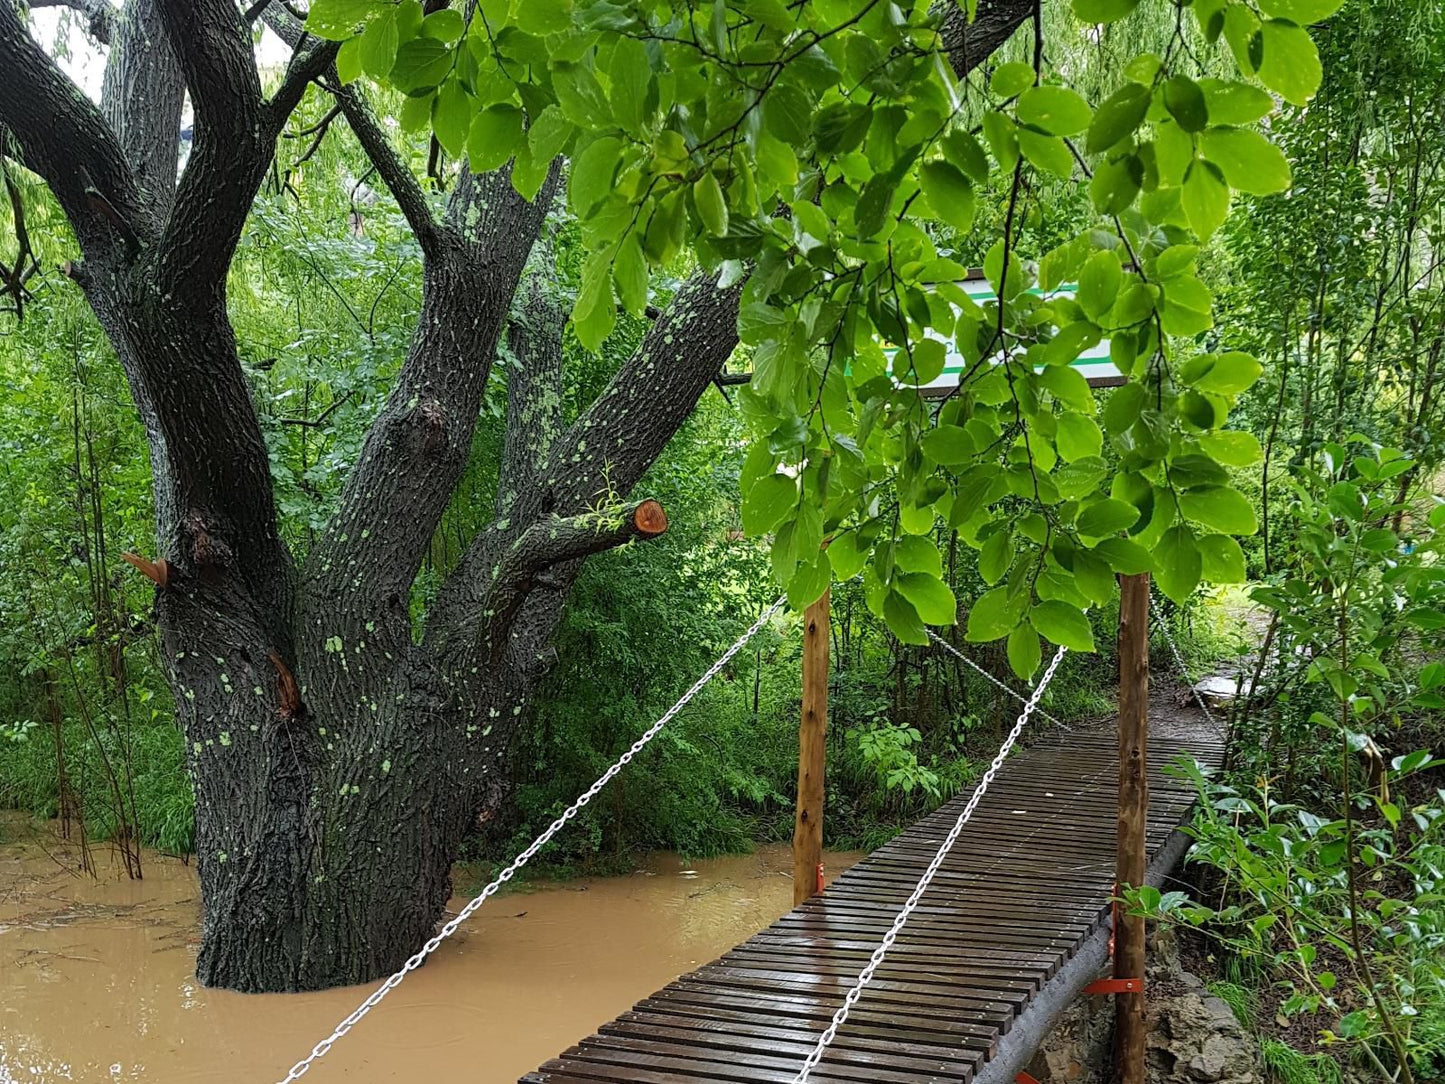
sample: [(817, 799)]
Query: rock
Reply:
[(1193, 1037)]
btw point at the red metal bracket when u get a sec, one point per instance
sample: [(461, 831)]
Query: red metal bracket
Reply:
[(1115, 986), (821, 883), (1024, 1078)]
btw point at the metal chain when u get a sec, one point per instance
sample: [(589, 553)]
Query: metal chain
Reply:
[(866, 975), (961, 657), (320, 1049), (1161, 622)]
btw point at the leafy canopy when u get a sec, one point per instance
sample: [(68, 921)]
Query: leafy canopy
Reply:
[(827, 153)]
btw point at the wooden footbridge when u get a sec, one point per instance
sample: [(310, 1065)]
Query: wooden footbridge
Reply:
[(943, 956), (1015, 924)]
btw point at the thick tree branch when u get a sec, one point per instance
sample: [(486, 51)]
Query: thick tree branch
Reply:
[(142, 96), (601, 457), (99, 13), (969, 44), (233, 144), (418, 447), (558, 540), (62, 136), (534, 391), (391, 167)]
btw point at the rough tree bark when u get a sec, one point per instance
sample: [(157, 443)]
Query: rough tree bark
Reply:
[(338, 762)]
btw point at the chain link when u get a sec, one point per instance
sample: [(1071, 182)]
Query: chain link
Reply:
[(866, 975), (961, 657), (320, 1049), (1160, 621)]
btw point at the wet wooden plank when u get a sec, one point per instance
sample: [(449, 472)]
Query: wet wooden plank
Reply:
[(1027, 884)]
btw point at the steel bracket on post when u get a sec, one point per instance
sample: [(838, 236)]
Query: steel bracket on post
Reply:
[(1115, 986)]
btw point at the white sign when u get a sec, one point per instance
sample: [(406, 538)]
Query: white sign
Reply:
[(1093, 364)]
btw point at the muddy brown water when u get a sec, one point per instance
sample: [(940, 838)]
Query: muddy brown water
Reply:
[(97, 975)]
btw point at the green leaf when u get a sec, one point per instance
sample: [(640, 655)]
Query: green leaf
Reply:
[(787, 114), (445, 25), (1232, 448), (1233, 102), (594, 313), (416, 113), (1116, 182), (1186, 104), (1249, 162), (337, 20), (451, 117), (1068, 385), (930, 596), (1099, 284), (1118, 116), (960, 148), (1057, 110), (994, 614), (496, 135), (711, 206), (996, 556), (903, 620), (1205, 199), (1225, 374), (874, 203), (1063, 624), (1106, 517), (348, 61), (767, 502), (1002, 136), (847, 554), (948, 193), (917, 553), (378, 45), (1024, 651), (593, 173), (421, 63), (1177, 564), (1221, 559), (1221, 507), (1103, 11), (950, 445), (1303, 12), (1124, 556), (629, 274), (809, 582), (630, 74), (1011, 78), (1345, 502), (1291, 63), (1047, 152), (1078, 437), (543, 17)]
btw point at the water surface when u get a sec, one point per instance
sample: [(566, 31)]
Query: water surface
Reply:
[(97, 975)]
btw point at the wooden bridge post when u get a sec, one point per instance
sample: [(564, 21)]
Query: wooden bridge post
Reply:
[(812, 752), (1133, 819)]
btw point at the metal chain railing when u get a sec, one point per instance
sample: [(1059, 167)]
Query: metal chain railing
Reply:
[(1161, 622), (320, 1049), (866, 975), (961, 657)]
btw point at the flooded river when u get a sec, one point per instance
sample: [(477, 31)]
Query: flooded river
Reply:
[(97, 983)]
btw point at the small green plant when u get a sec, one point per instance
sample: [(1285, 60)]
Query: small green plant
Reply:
[(1284, 1064), (1240, 999), (889, 751)]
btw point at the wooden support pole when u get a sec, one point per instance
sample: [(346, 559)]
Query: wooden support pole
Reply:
[(812, 752), (1132, 856)]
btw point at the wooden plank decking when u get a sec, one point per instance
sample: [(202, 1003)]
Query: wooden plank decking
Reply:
[(1027, 884)]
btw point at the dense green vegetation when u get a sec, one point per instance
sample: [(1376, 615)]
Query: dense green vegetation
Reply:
[(1320, 864)]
